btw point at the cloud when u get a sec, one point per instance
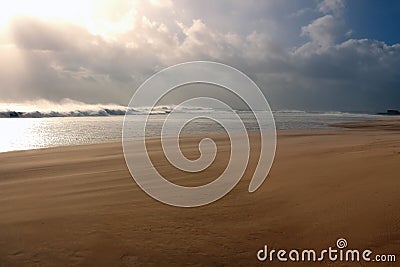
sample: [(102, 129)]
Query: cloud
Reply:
[(301, 12), (163, 3), (323, 30), (53, 60), (66, 61), (331, 6), (37, 36), (328, 28)]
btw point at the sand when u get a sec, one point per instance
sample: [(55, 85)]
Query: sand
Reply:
[(79, 206)]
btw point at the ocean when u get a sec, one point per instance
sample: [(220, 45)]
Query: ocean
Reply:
[(42, 132)]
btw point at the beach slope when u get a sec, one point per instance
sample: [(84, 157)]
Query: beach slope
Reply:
[(79, 206)]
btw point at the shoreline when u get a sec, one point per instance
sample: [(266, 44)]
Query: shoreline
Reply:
[(152, 138), (392, 124), (78, 205), (10, 141)]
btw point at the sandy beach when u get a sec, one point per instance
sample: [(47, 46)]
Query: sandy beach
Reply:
[(79, 206)]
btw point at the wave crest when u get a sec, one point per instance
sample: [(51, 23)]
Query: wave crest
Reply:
[(71, 108)]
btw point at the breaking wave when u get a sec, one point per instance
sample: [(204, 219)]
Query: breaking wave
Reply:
[(71, 108)]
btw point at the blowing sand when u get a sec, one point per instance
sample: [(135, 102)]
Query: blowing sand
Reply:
[(78, 206)]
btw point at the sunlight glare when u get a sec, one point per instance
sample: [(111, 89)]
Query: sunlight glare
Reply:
[(103, 17)]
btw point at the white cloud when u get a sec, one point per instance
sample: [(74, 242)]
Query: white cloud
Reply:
[(324, 30), (331, 6), (300, 12)]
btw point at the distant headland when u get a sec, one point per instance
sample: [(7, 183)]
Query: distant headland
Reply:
[(393, 112)]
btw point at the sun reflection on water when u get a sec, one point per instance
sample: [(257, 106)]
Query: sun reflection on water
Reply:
[(19, 134)]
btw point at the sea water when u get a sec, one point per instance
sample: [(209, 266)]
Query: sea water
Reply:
[(34, 133)]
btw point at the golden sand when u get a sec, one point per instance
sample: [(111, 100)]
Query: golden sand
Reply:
[(79, 206)]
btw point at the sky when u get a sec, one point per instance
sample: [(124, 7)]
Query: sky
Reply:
[(304, 55)]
